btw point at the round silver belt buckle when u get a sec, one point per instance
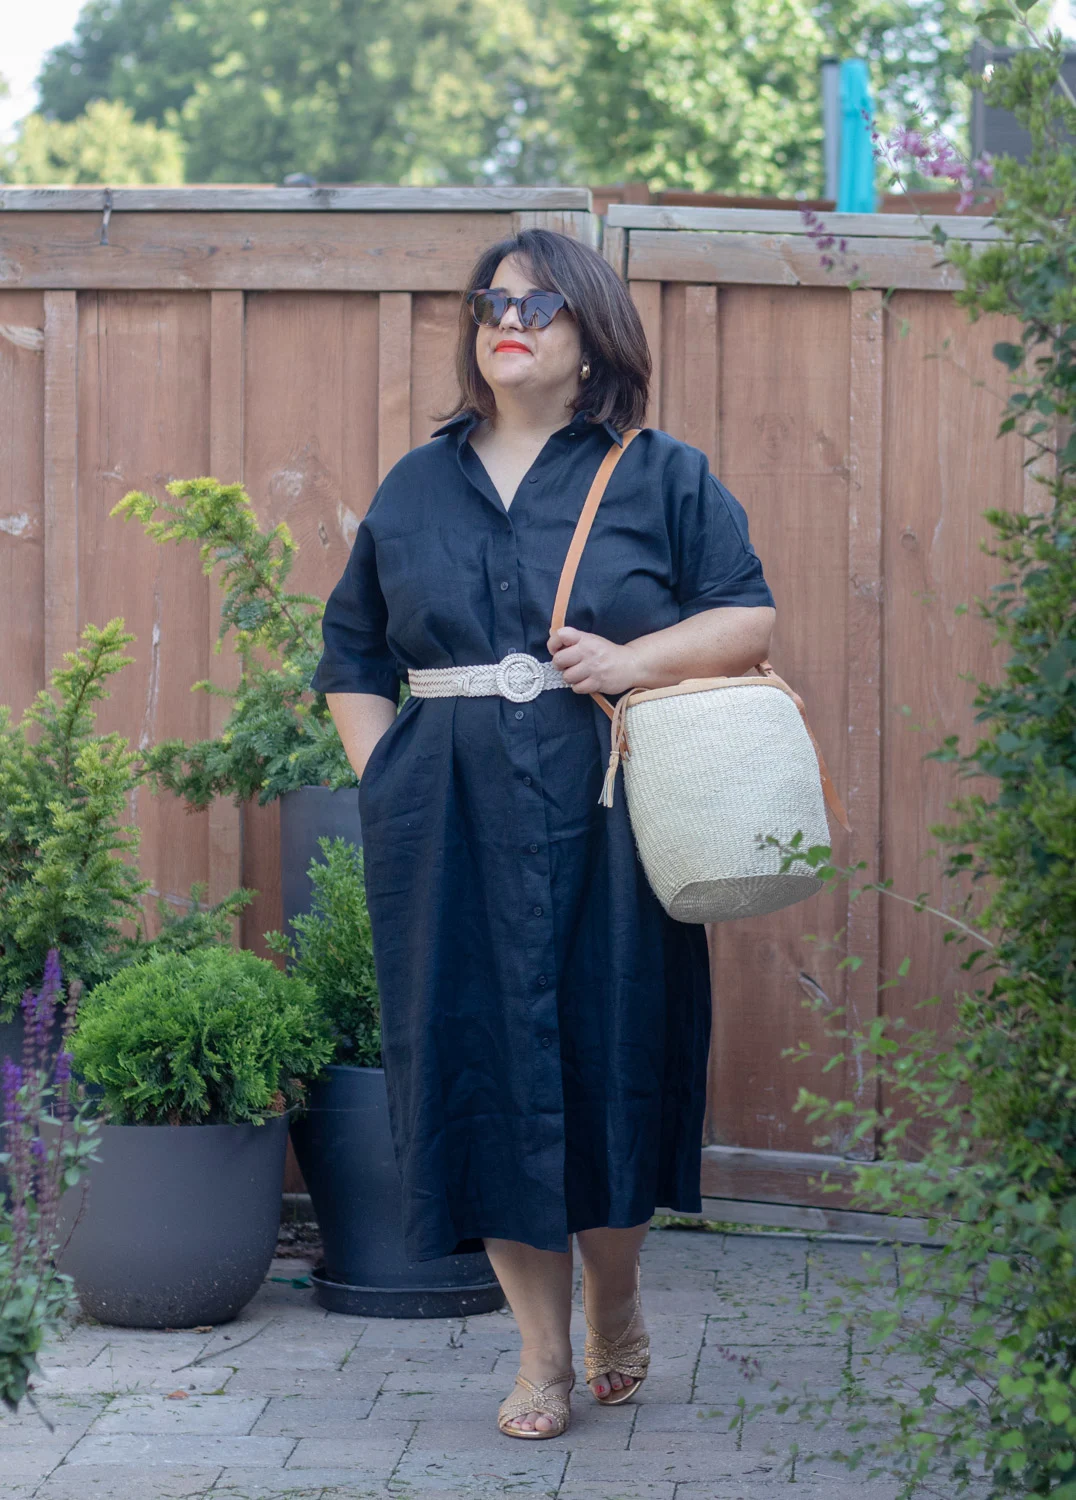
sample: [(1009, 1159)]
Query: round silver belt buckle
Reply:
[(519, 677)]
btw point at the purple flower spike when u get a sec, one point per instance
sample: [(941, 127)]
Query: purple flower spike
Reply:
[(38, 1149), (63, 1067), (52, 981)]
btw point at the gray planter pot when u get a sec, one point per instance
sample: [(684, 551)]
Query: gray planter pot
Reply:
[(344, 1147), (307, 814), (176, 1225)]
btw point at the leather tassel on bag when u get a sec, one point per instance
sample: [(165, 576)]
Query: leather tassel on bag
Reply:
[(618, 749)]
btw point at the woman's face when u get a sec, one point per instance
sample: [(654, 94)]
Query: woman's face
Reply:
[(524, 361)]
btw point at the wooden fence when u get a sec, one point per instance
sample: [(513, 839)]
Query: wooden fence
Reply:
[(299, 340)]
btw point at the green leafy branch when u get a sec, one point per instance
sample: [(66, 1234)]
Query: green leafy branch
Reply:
[(278, 735), (68, 873)]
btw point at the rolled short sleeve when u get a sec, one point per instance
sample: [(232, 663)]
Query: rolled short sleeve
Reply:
[(716, 563), (357, 658)]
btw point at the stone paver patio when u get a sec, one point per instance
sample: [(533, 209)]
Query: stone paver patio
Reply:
[(291, 1401)]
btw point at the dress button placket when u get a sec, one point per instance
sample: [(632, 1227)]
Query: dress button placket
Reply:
[(537, 892)]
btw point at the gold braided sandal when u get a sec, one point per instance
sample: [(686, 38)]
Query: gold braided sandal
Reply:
[(556, 1408), (601, 1356)]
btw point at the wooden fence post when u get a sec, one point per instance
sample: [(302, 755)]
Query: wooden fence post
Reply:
[(647, 298), (865, 437), (61, 477), (226, 400), (393, 379)]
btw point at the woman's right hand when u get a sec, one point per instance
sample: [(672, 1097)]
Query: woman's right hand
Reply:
[(361, 719)]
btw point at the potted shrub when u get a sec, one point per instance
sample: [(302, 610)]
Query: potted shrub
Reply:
[(279, 740), (68, 880), (343, 1140), (200, 1060)]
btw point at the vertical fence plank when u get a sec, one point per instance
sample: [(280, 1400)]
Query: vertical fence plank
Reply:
[(22, 495), (226, 464), (647, 298), (670, 411), (393, 379), (700, 369), (865, 445), (615, 249), (784, 454), (61, 477), (435, 319)]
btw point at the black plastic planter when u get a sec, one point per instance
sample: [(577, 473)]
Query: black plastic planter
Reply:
[(307, 814), (178, 1224), (344, 1148)]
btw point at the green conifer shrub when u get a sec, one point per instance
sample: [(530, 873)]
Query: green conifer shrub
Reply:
[(214, 1037), (68, 877), (333, 952)]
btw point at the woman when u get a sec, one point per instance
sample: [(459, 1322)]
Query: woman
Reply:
[(545, 1026)]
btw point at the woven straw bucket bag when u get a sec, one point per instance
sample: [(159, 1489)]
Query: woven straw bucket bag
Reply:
[(712, 766)]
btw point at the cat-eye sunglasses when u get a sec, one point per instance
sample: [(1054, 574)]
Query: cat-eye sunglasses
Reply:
[(536, 309)]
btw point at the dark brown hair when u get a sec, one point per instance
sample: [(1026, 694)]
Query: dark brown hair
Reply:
[(610, 330)]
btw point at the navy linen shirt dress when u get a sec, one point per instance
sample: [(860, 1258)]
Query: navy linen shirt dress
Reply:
[(545, 1025)]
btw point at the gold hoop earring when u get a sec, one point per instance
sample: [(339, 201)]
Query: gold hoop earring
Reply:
[(584, 373)]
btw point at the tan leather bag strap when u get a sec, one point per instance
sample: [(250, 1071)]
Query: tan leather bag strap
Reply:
[(579, 540), (617, 715)]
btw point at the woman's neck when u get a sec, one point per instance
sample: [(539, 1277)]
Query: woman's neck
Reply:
[(518, 421)]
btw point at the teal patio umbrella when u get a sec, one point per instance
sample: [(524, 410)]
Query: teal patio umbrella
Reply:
[(855, 181)]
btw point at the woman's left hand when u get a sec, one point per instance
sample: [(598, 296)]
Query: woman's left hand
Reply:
[(590, 663)]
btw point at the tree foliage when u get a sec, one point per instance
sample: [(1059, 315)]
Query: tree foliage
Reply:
[(104, 144), (408, 91), (721, 95)]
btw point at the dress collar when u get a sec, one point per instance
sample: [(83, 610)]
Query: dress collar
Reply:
[(463, 425)]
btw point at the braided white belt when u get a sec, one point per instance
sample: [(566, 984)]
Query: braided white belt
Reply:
[(517, 677)]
